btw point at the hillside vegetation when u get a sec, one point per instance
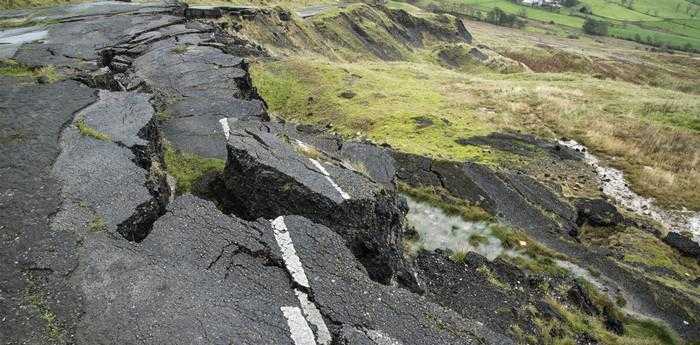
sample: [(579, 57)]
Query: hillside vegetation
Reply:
[(671, 23), (638, 109)]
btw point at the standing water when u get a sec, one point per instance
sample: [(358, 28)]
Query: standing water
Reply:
[(438, 230)]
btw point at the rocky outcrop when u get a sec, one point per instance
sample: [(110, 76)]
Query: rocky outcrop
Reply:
[(387, 34), (683, 244), (270, 174)]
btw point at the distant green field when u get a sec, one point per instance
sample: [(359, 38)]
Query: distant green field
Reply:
[(673, 23)]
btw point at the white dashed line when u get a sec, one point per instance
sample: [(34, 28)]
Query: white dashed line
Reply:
[(314, 316), (297, 322), (289, 254), (325, 173), (301, 332), (225, 127)]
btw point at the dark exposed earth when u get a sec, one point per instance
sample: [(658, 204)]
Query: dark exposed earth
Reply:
[(295, 246)]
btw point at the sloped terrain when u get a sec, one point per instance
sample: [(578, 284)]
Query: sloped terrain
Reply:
[(150, 196)]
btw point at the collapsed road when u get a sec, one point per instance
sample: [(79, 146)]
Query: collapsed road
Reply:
[(95, 248), (298, 247)]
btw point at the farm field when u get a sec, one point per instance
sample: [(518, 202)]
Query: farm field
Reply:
[(672, 23)]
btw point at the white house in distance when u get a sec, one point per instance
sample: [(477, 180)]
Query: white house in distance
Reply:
[(542, 3)]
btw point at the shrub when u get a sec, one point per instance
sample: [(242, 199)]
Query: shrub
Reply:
[(595, 27), (499, 17), (569, 3)]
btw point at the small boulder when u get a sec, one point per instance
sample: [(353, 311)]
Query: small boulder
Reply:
[(422, 121), (597, 212), (347, 94)]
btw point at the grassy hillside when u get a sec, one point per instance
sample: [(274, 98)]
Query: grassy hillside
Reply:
[(638, 109), (670, 23)]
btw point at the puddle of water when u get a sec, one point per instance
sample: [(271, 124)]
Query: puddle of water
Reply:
[(615, 186), (438, 230)]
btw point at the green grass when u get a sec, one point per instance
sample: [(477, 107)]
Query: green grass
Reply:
[(637, 332), (188, 168), (87, 131), (492, 278), (13, 69), (388, 96), (16, 4), (654, 37), (653, 130), (179, 49), (98, 224), (446, 202), (24, 22)]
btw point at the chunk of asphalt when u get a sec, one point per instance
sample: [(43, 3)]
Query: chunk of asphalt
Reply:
[(269, 175), (77, 43), (104, 174), (200, 278), (197, 85)]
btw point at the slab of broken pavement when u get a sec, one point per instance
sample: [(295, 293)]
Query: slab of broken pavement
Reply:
[(97, 248)]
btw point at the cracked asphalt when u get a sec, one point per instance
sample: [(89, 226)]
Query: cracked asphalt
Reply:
[(94, 251)]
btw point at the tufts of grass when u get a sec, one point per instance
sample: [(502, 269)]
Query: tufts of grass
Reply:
[(34, 297), (163, 115), (637, 332), (491, 277), (357, 166), (476, 240), (459, 257), (179, 49), (12, 136), (537, 258), (98, 224), (88, 131), (188, 168), (449, 204), (643, 249)]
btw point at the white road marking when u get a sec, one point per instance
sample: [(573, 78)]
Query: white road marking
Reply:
[(325, 173), (295, 268), (314, 316), (225, 127), (301, 332), (289, 254)]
